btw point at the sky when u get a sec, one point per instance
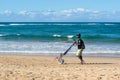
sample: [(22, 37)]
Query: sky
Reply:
[(59, 11)]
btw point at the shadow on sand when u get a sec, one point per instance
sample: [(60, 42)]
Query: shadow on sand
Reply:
[(90, 63)]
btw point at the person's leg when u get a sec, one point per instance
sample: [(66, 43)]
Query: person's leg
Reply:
[(79, 55), (81, 59)]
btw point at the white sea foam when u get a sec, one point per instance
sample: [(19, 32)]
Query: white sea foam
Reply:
[(1, 35), (56, 35), (14, 24), (109, 24), (64, 24), (18, 34), (13, 47), (90, 24), (17, 24), (70, 36), (2, 25)]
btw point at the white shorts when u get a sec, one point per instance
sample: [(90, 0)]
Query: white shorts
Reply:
[(79, 52)]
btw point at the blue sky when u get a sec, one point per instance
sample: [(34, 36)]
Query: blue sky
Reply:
[(60, 10)]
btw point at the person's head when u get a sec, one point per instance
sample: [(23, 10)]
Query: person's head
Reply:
[(78, 35)]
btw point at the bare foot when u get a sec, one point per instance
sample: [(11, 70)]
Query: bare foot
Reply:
[(82, 62)]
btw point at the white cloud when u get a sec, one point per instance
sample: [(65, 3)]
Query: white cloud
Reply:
[(75, 10), (79, 14), (6, 12), (22, 12), (31, 14)]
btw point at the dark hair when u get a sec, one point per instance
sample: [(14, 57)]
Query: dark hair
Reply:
[(78, 35)]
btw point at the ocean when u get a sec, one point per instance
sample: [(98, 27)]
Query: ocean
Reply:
[(52, 38)]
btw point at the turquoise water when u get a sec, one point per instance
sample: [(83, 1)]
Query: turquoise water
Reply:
[(56, 37)]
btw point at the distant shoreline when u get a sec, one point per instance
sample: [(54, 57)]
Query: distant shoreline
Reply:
[(107, 55)]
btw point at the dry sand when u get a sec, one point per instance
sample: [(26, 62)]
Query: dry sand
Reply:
[(13, 67)]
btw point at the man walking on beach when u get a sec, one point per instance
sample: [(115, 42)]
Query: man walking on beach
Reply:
[(80, 44)]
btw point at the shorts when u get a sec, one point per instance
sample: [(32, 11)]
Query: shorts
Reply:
[(79, 52)]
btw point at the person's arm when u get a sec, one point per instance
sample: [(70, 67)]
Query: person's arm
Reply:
[(83, 45), (75, 42)]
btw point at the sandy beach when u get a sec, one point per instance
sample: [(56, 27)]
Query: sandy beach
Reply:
[(14, 67)]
